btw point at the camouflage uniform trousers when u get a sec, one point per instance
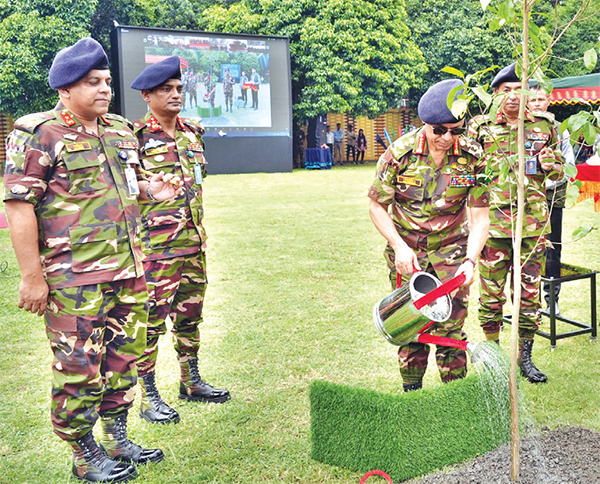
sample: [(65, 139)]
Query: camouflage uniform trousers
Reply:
[(176, 289), (495, 263), (97, 332), (451, 362)]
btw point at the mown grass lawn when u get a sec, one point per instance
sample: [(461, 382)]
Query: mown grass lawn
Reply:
[(295, 268)]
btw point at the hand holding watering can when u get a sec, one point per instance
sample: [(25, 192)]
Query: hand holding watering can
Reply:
[(415, 307), (406, 263)]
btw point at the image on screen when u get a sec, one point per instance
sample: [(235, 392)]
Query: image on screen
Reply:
[(225, 81), (234, 84)]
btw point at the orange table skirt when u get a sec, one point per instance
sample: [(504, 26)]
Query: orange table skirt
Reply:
[(589, 175)]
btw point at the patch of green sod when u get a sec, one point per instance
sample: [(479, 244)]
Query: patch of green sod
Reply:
[(405, 435)]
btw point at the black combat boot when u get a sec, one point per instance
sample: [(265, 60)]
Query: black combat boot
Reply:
[(93, 465), (411, 387), (193, 388), (152, 408), (528, 368), (115, 443)]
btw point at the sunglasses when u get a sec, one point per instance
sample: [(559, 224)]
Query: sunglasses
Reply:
[(442, 130)]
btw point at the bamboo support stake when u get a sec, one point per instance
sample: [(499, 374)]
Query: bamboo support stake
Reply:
[(516, 280)]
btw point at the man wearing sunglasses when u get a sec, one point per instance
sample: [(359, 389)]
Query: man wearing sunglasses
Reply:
[(428, 177), (498, 133)]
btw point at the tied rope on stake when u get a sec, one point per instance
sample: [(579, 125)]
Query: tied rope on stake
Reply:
[(376, 473)]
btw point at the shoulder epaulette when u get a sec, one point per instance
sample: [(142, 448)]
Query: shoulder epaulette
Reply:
[(193, 125), (480, 120), (471, 146), (118, 119), (403, 145), (138, 125), (31, 121), (545, 115)]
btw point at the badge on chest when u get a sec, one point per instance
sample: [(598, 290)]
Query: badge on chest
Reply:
[(460, 181), (407, 180), (80, 146)]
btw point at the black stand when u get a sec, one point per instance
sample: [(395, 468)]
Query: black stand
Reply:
[(568, 273)]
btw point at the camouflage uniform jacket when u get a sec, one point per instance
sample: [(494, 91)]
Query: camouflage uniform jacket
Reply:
[(228, 82), (88, 220), (497, 136), (174, 227), (429, 203)]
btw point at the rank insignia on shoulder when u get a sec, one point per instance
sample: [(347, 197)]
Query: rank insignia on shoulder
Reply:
[(66, 117), (462, 181), (81, 146), (413, 182), (197, 147), (127, 145), (155, 151)]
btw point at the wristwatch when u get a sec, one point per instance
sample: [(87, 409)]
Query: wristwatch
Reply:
[(149, 193), (468, 259)]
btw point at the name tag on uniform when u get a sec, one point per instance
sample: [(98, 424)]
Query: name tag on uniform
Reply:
[(81, 146), (531, 166), (198, 173), (156, 151), (132, 183), (127, 145), (413, 182), (459, 181)]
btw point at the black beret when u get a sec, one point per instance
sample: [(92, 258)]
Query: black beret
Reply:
[(508, 74), (433, 106), (74, 62), (158, 74)]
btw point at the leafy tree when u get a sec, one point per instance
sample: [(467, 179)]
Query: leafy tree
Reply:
[(351, 56), (31, 32), (455, 33), (169, 14), (567, 54)]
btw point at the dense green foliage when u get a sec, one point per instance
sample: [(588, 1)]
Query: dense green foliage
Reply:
[(31, 32), (352, 56), (405, 435), (582, 35), (455, 34)]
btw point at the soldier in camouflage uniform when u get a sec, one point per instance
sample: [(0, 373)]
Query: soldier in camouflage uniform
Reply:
[(556, 195), (498, 134), (228, 82), (71, 195), (174, 239), (429, 178)]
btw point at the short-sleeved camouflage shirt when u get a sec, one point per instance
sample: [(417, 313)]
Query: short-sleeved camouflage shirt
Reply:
[(429, 203), (88, 216), (498, 137), (174, 227)]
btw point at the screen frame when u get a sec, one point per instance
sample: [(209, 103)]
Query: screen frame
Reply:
[(236, 153)]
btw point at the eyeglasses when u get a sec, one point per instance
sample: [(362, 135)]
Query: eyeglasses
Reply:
[(442, 130)]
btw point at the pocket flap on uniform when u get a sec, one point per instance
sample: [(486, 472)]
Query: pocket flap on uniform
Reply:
[(83, 234), (79, 160)]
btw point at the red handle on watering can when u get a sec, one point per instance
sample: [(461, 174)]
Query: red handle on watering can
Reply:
[(440, 340), (399, 277), (440, 291)]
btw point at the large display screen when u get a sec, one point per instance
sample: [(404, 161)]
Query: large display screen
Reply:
[(236, 85)]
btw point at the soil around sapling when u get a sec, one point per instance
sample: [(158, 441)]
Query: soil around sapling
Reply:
[(562, 456)]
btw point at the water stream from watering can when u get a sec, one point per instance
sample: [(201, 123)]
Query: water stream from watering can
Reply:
[(492, 367)]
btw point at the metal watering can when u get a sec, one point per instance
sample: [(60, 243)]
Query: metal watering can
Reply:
[(410, 310)]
